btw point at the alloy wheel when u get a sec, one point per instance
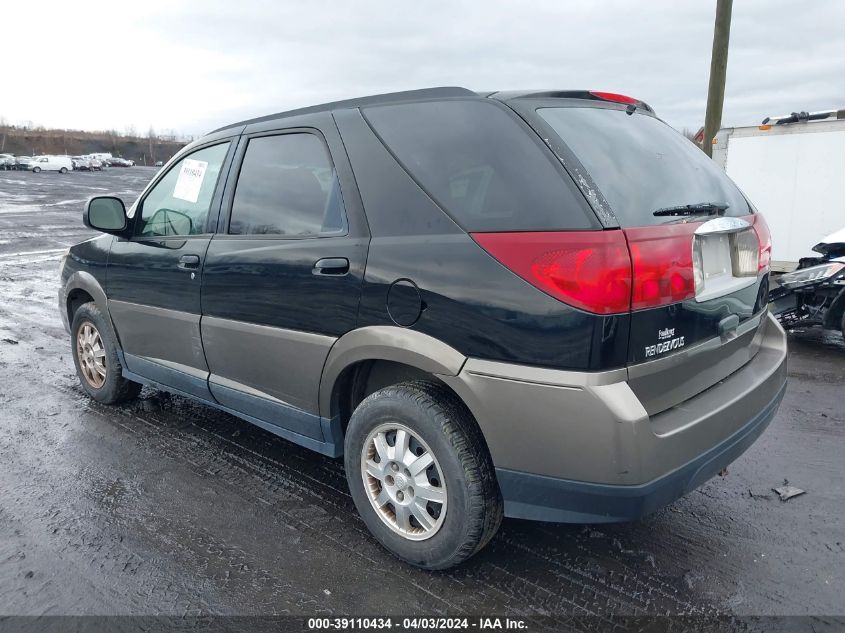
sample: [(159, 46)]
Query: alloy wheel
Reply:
[(91, 354), (404, 481)]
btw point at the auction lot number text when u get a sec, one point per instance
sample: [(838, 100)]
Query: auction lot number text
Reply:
[(417, 624)]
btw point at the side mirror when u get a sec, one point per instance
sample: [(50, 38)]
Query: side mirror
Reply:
[(169, 222), (106, 214)]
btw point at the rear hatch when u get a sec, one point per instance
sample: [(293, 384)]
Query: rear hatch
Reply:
[(698, 251)]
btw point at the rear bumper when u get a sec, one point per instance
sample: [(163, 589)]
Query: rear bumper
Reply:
[(542, 498), (581, 447)]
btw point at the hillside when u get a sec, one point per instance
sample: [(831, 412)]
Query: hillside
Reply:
[(32, 141)]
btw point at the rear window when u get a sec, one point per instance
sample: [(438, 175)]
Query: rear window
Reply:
[(641, 164), (480, 166)]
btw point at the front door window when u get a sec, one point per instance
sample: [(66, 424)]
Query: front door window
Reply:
[(179, 203)]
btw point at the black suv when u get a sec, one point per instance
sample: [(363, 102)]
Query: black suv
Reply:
[(545, 305)]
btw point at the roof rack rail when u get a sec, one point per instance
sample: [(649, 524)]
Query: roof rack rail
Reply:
[(390, 97)]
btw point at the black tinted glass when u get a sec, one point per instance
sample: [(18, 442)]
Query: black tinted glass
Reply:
[(641, 164), (287, 186), (480, 166)]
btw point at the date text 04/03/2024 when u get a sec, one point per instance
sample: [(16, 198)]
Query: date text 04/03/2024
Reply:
[(417, 623)]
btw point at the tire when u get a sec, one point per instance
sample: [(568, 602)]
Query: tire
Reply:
[(461, 473), (842, 325), (95, 357), (63, 170), (36, 170)]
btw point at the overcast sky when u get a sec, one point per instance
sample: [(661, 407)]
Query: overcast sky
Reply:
[(192, 66)]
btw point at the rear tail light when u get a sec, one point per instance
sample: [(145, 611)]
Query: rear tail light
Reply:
[(697, 266), (764, 238), (746, 253), (608, 272), (590, 270), (661, 257)]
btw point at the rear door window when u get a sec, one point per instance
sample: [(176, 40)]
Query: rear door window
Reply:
[(641, 164), (287, 187), (480, 166)]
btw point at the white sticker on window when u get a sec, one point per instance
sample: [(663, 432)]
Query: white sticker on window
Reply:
[(190, 180)]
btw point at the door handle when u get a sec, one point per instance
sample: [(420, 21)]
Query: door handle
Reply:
[(331, 266), (189, 261)]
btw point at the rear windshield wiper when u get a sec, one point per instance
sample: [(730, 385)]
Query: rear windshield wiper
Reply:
[(710, 208)]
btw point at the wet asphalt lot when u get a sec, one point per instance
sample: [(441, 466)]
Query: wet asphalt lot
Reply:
[(167, 506)]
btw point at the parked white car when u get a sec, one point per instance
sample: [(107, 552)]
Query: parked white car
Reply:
[(61, 164)]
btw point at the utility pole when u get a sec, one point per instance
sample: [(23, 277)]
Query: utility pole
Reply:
[(718, 70), (150, 135)]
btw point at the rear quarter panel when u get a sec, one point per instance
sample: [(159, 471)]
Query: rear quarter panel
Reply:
[(468, 299)]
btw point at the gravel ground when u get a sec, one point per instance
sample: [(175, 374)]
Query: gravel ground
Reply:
[(167, 506)]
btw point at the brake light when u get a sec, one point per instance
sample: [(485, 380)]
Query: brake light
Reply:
[(608, 272), (745, 253), (764, 237), (612, 96), (590, 270), (661, 260)]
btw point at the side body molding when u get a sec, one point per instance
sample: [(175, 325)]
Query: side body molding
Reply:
[(386, 342)]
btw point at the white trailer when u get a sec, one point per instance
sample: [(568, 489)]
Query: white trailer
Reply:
[(794, 173)]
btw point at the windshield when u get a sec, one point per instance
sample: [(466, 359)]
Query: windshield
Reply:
[(642, 165)]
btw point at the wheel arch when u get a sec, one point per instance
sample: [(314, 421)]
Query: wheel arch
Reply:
[(413, 352), (82, 287)]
